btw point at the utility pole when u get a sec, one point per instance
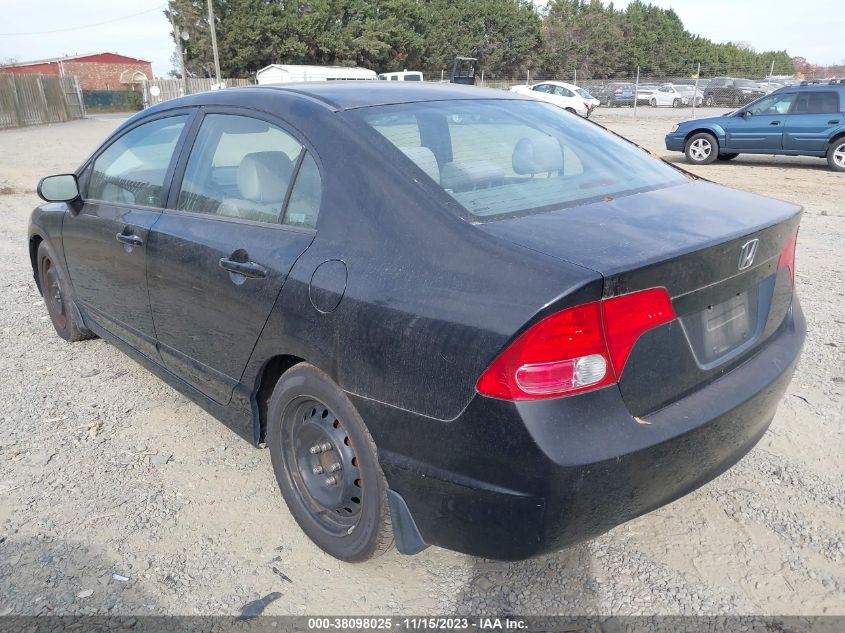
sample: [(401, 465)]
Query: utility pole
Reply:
[(214, 43), (178, 37), (636, 89)]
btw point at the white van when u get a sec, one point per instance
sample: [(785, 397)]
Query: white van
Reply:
[(286, 73), (405, 75)]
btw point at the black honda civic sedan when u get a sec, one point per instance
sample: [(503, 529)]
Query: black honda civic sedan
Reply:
[(456, 316)]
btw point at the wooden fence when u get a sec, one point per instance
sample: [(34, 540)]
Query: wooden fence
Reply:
[(36, 99), (172, 88)]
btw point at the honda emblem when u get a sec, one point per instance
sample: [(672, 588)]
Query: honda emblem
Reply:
[(746, 255)]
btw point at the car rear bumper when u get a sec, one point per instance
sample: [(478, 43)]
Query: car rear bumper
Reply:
[(509, 481)]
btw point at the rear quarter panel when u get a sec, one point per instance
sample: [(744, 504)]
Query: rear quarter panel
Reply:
[(430, 299)]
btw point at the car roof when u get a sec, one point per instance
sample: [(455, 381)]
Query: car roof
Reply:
[(346, 95), (825, 87)]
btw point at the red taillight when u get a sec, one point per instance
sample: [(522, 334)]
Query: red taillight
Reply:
[(577, 349), (586, 105), (787, 256), (628, 317)]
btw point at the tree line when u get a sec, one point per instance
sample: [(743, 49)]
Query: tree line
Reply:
[(510, 37)]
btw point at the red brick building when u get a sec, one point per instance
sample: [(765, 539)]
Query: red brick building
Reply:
[(97, 71)]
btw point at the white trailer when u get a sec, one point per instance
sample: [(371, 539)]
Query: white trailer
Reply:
[(405, 75), (286, 73)]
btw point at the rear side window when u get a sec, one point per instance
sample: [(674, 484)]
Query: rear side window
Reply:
[(242, 167), (132, 169), (816, 103), (498, 158)]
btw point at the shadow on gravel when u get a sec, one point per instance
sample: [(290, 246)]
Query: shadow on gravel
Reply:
[(49, 576), (748, 161), (557, 584)]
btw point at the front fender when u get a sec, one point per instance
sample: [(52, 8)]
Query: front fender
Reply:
[(45, 224), (716, 130)]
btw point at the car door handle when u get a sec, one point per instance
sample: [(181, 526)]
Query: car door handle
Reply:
[(833, 122), (774, 123), (247, 269), (131, 239)]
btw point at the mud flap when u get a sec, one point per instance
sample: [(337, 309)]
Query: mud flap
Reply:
[(408, 538)]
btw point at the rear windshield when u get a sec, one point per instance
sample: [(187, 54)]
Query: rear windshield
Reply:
[(504, 157)]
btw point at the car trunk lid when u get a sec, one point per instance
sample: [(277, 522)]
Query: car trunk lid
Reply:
[(693, 239)]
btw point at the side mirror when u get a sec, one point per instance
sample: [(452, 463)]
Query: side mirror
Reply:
[(745, 114), (61, 188)]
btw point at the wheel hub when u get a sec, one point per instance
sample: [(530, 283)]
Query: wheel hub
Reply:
[(326, 461), (700, 149)]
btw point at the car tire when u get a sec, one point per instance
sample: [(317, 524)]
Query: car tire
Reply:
[(708, 101), (55, 289), (735, 101), (836, 154), (653, 103), (337, 495), (676, 103), (701, 148), (572, 110), (726, 156)]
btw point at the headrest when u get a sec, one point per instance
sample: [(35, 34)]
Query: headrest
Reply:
[(264, 176), (537, 155), (469, 174), (425, 160)]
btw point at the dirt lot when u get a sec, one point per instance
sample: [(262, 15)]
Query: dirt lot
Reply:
[(105, 470)]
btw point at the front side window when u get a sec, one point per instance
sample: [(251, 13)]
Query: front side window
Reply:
[(498, 158), (240, 167), (816, 103), (544, 88), (560, 91), (773, 104), (132, 169)]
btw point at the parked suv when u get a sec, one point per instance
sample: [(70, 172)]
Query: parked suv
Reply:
[(616, 94), (792, 121), (730, 91)]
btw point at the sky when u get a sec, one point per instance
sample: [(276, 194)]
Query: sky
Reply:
[(138, 28)]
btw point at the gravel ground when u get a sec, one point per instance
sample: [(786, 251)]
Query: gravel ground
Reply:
[(118, 495)]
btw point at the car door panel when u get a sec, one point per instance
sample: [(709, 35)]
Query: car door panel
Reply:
[(814, 119), (215, 271), (763, 132), (760, 126), (208, 318), (105, 243), (109, 276)]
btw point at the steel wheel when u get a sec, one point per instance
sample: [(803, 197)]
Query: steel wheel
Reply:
[(52, 290), (327, 466), (323, 465)]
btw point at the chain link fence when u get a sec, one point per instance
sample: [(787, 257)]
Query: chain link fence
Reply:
[(701, 91)]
